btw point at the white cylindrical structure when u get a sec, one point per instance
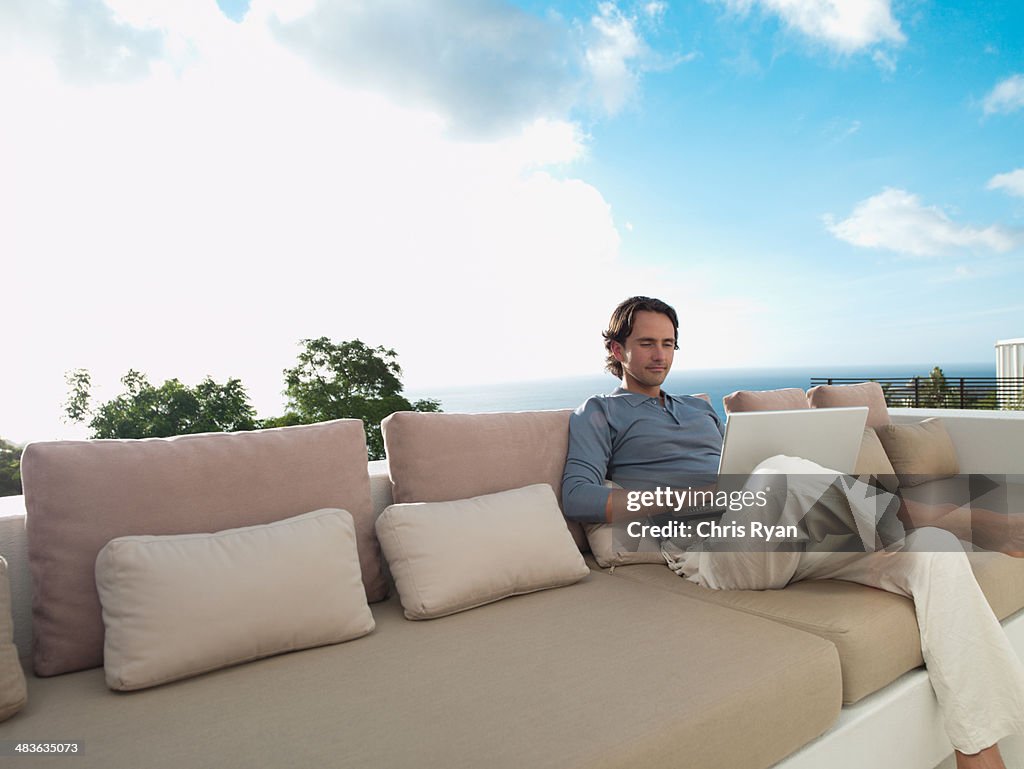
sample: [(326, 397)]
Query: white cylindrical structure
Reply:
[(1010, 358), (1009, 365)]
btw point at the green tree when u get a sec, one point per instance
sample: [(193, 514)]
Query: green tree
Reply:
[(173, 408), (10, 469), (350, 379), (934, 390)]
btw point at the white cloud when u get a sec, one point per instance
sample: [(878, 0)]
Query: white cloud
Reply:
[(655, 9), (203, 218), (486, 66), (885, 61), (614, 47), (85, 40), (897, 221), (1012, 182), (846, 26), (1007, 96)]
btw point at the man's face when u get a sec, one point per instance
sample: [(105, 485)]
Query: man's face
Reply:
[(647, 355)]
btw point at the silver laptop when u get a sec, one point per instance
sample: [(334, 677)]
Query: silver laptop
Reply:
[(831, 437)]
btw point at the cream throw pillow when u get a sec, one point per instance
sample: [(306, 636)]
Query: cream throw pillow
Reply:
[(176, 606), (13, 694), (919, 452), (873, 461), (447, 557), (612, 546)]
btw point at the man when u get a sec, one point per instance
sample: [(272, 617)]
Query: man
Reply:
[(640, 437)]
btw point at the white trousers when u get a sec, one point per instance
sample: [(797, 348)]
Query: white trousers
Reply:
[(977, 677)]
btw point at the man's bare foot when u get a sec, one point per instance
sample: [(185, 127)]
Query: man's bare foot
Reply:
[(988, 758), (999, 532), (988, 530)]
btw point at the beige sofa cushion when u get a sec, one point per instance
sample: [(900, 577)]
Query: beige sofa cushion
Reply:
[(919, 452), (765, 400), (873, 461), (12, 679), (180, 605), (81, 494), (602, 674), (439, 457), (875, 631), (447, 557), (1001, 579), (864, 394)]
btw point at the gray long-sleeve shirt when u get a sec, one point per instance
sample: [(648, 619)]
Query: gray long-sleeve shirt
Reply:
[(636, 442)]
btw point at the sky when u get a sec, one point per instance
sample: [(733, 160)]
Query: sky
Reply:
[(190, 188)]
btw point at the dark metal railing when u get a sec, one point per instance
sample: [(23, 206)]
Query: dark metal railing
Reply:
[(945, 392)]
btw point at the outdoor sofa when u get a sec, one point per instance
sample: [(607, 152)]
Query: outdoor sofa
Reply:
[(630, 666)]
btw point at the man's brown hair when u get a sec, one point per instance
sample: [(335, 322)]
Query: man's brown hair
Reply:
[(621, 326)]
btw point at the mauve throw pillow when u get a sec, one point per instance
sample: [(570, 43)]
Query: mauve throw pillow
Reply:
[(765, 400), (79, 495), (864, 394), (441, 457)]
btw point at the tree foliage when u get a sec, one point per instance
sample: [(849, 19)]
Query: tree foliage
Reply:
[(173, 408), (347, 380), (10, 469), (329, 381), (935, 391)]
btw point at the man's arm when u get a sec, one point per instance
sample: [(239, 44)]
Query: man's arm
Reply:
[(585, 498)]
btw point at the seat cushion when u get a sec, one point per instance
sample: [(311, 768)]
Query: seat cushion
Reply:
[(1002, 581), (605, 673), (875, 631), (79, 495)]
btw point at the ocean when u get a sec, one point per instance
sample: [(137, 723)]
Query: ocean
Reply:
[(570, 392)]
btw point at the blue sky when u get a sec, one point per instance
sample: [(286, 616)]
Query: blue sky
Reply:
[(189, 188)]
